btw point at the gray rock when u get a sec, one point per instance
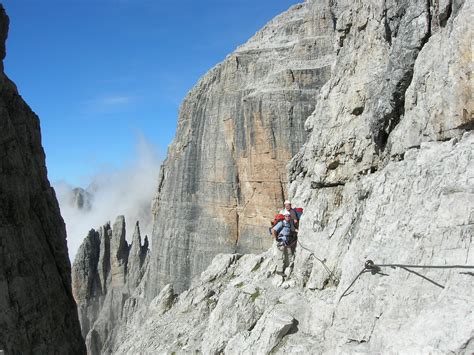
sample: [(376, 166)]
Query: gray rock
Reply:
[(435, 93), (86, 285), (37, 310), (106, 276), (376, 104), (225, 177), (119, 250), (267, 334), (163, 301), (136, 259), (380, 178), (393, 310), (81, 199)]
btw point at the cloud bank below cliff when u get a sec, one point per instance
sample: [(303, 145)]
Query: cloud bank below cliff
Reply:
[(124, 191)]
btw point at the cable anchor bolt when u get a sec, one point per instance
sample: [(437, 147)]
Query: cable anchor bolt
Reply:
[(369, 265)]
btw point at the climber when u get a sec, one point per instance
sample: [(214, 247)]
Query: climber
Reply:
[(285, 231), (293, 214)]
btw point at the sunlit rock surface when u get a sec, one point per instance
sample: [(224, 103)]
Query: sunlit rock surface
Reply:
[(225, 173), (386, 174), (417, 212)]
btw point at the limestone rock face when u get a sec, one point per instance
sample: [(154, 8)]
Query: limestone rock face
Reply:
[(37, 310), (105, 277), (387, 174), (225, 173), (382, 98), (417, 212)]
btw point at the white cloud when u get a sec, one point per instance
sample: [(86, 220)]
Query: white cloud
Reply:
[(115, 100), (126, 191), (109, 103)]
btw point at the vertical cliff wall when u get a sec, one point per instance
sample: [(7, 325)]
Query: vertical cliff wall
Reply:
[(383, 97), (37, 310), (239, 126)]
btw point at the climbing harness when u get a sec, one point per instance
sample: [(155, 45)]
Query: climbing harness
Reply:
[(370, 266), (331, 274)]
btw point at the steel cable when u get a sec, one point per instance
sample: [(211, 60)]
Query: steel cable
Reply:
[(375, 268), (331, 274)]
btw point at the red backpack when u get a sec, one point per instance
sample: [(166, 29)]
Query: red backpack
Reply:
[(299, 212), (278, 218)]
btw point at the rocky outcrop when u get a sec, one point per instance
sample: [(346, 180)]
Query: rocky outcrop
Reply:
[(105, 273), (37, 309), (416, 211), (81, 199), (386, 174), (225, 174), (385, 93)]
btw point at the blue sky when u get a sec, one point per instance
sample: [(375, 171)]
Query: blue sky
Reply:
[(100, 73)]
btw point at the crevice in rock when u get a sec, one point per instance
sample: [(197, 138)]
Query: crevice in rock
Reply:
[(427, 35), (397, 102), (351, 340), (161, 179), (333, 17), (388, 31), (292, 75), (237, 63), (273, 140), (282, 190), (446, 139), (344, 34), (467, 344), (468, 126), (237, 192), (105, 256), (444, 16), (325, 283), (237, 226), (238, 199), (392, 118), (294, 328), (369, 170), (323, 185), (252, 326)]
